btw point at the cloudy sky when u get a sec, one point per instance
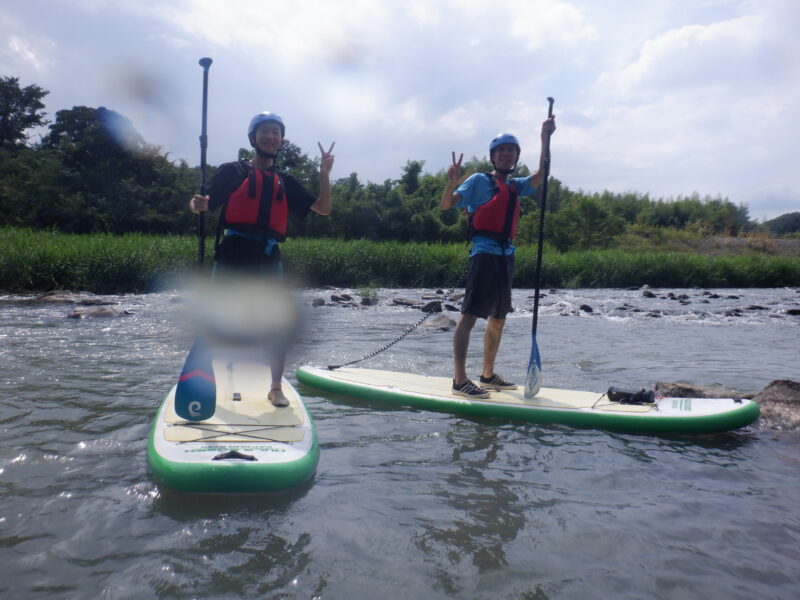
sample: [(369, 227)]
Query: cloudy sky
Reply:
[(665, 97)]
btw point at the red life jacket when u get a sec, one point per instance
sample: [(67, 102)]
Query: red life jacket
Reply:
[(498, 217), (258, 204)]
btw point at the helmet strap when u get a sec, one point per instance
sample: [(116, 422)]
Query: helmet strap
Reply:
[(260, 152), (504, 171), (263, 154)]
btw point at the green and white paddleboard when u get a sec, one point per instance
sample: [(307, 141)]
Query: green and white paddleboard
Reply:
[(550, 405), (248, 445)]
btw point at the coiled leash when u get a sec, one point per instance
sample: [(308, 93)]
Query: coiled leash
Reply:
[(409, 330)]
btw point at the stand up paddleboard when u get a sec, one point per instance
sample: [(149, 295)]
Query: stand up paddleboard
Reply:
[(246, 445), (567, 407)]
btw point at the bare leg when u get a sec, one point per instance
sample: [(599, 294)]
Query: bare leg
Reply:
[(461, 346), (277, 360), (491, 344)]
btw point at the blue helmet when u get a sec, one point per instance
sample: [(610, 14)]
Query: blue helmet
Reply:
[(504, 138), (263, 118)]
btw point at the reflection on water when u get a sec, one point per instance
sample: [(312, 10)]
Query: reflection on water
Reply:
[(480, 524)]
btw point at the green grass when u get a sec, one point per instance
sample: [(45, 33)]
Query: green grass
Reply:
[(45, 260), (374, 264), (101, 263)]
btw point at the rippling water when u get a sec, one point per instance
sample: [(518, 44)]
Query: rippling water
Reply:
[(406, 503)]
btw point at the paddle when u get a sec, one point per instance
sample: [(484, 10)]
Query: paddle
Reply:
[(201, 225), (196, 392), (533, 382)]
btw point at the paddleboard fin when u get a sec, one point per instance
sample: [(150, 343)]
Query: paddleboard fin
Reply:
[(234, 454)]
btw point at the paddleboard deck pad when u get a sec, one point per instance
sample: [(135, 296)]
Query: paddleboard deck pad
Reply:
[(568, 407), (248, 445)]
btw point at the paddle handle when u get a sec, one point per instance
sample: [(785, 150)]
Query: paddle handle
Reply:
[(538, 282), (201, 222)]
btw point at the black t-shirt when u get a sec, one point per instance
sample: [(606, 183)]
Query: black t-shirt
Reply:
[(230, 176)]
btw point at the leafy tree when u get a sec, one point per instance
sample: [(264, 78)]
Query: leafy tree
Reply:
[(94, 172), (785, 224), (291, 159), (27, 176), (582, 223), (110, 179), (410, 178), (717, 216), (20, 110)]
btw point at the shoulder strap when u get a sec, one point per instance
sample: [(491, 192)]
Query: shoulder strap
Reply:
[(492, 181), (245, 171)]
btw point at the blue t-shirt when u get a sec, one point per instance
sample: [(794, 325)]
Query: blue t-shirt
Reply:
[(477, 190)]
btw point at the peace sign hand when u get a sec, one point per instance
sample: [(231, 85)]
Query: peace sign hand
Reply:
[(326, 161), (454, 170)]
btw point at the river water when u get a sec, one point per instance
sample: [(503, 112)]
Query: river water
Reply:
[(406, 503)]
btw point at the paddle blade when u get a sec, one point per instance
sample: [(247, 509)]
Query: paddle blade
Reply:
[(196, 393), (533, 381)]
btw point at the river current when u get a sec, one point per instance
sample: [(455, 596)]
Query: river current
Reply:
[(407, 503)]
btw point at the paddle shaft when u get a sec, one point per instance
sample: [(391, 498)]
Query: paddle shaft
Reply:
[(201, 223), (546, 150)]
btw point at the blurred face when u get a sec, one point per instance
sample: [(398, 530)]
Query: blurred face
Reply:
[(505, 156), (268, 137)]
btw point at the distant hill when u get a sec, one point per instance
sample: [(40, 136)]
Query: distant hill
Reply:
[(788, 223)]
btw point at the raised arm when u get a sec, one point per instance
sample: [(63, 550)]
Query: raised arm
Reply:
[(449, 197), (323, 204), (548, 127)]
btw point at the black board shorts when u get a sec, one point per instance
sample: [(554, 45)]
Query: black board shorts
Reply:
[(246, 255), (488, 289)]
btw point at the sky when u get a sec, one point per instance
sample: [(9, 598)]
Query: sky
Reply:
[(660, 97)]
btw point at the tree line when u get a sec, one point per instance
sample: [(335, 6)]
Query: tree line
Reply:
[(93, 172)]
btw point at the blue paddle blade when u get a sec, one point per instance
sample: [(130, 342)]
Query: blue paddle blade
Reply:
[(533, 380), (196, 393)]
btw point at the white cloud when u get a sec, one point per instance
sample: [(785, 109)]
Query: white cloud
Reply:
[(544, 22), (290, 35), (700, 108), (665, 97), (22, 50), (693, 55)]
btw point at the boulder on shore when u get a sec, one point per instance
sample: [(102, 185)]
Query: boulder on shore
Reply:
[(405, 302), (439, 323), (432, 307), (95, 311), (67, 297), (779, 401), (688, 390), (780, 405)]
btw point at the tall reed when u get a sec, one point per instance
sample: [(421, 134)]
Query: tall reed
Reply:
[(45, 260), (101, 263)]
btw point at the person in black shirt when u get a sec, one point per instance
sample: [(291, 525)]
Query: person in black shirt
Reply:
[(256, 201)]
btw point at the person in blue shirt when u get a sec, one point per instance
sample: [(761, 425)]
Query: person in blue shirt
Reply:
[(491, 201)]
